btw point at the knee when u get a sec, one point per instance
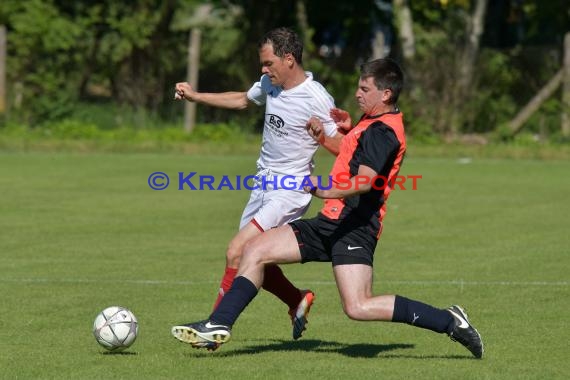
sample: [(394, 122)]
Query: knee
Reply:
[(353, 310), (234, 254)]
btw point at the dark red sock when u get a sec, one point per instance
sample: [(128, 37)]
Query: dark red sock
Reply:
[(226, 284), (276, 283)]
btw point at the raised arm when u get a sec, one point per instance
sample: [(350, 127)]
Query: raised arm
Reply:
[(231, 100)]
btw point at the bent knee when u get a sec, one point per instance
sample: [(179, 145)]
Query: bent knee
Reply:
[(234, 253), (354, 310)]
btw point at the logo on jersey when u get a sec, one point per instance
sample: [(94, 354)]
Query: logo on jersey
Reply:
[(274, 120), (275, 125)]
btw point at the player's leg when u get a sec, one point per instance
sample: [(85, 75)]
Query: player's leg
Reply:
[(248, 228), (354, 283), (212, 338), (233, 255), (275, 281), (275, 246), (299, 301), (279, 208)]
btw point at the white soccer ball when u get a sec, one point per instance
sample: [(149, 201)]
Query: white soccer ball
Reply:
[(115, 328)]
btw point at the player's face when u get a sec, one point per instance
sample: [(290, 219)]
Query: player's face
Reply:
[(371, 99), (276, 68)]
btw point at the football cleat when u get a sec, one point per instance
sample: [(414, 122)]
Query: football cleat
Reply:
[(464, 333), (299, 315), (203, 334)]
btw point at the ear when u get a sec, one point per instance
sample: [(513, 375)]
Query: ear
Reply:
[(386, 95), (289, 59)]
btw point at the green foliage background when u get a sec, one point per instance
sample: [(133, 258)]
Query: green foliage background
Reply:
[(126, 56)]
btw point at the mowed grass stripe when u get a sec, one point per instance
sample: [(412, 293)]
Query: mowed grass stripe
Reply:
[(167, 282)]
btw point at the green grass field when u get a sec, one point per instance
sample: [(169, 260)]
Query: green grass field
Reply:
[(80, 232)]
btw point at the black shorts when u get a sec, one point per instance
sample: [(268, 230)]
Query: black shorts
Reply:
[(342, 241)]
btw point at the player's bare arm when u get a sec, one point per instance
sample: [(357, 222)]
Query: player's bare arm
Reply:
[(316, 130), (231, 99), (358, 184)]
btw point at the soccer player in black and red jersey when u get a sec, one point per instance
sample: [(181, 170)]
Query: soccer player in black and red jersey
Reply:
[(346, 230)]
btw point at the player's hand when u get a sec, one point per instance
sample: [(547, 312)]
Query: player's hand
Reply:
[(183, 90), (313, 188), (342, 120), (316, 130)]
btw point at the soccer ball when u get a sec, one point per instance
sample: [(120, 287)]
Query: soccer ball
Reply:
[(115, 328)]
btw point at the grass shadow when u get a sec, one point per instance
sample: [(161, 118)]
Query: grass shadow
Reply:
[(430, 357), (360, 350), (350, 350), (125, 353)]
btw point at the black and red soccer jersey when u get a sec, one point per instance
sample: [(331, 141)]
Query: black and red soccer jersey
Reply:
[(378, 142)]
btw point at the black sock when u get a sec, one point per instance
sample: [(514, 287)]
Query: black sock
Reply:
[(422, 315), (234, 302)]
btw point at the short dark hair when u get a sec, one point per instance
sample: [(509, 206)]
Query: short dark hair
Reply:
[(284, 41), (387, 74)]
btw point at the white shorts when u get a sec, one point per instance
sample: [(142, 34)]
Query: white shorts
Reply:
[(273, 208)]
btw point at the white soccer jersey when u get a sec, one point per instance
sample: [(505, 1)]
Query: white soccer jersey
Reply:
[(286, 147)]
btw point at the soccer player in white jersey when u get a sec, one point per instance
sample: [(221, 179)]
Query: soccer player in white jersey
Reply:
[(291, 97)]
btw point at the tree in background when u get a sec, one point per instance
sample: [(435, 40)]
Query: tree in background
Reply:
[(470, 63), (42, 58), (462, 83)]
